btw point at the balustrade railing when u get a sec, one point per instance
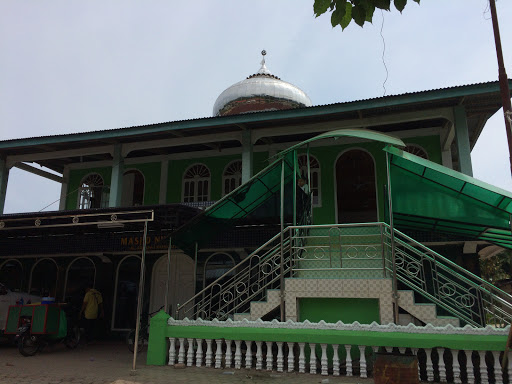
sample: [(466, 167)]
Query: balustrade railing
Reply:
[(247, 281), (338, 358), (443, 282)]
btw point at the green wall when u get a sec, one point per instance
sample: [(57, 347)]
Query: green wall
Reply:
[(347, 310), (327, 157), (216, 165)]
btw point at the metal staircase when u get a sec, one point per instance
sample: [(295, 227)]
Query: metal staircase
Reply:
[(352, 251)]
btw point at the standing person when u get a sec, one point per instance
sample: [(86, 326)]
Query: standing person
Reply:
[(92, 309)]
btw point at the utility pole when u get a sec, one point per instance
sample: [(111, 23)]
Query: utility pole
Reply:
[(504, 89)]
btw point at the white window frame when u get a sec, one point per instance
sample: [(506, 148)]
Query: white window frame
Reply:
[(67, 273), (232, 172), (195, 175), (114, 305), (414, 149), (303, 169)]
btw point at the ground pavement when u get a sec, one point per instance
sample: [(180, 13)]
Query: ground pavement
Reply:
[(111, 363)]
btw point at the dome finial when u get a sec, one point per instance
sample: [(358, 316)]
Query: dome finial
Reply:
[(263, 69)]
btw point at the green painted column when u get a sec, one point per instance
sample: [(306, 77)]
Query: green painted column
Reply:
[(462, 140), (116, 183), (247, 156), (157, 344), (4, 177)]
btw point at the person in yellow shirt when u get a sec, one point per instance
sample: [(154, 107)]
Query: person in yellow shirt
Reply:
[(92, 310)]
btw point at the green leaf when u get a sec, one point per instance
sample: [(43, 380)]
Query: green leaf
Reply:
[(338, 13), (418, 1), (383, 4), (400, 4), (359, 14), (321, 6), (345, 21), (370, 9)]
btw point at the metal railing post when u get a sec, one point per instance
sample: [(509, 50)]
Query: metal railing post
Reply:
[(393, 253), (281, 278)]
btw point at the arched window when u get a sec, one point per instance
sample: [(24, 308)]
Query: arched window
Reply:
[(92, 192), (416, 150), (196, 184), (133, 189), (314, 183), (11, 274), (355, 184), (216, 265), (232, 177), (79, 273), (126, 293), (43, 278)]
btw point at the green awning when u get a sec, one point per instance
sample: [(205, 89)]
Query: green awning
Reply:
[(359, 133), (255, 197), (430, 197)]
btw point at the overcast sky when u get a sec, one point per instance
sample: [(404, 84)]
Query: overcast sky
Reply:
[(76, 66)]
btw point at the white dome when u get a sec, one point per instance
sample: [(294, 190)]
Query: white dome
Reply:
[(260, 92)]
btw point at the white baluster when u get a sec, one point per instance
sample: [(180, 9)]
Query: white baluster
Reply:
[(302, 358), (456, 367), (442, 365), (228, 354), (172, 351), (181, 352), (190, 352), (430, 366), (270, 358), (349, 360), (498, 374), (248, 355), (484, 376), (218, 354), (335, 360), (312, 359), (209, 352), (323, 360), (362, 361), (259, 356), (415, 353), (469, 367), (401, 350), (238, 354), (199, 353), (291, 357), (375, 349), (280, 360)]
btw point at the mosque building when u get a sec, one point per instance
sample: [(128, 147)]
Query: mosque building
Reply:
[(220, 194)]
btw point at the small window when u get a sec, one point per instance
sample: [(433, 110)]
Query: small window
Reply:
[(314, 183), (196, 184), (232, 177), (92, 192)]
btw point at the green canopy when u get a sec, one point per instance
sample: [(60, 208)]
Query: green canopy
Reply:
[(253, 198), (430, 197)]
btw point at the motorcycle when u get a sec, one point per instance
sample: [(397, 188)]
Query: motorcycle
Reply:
[(29, 343)]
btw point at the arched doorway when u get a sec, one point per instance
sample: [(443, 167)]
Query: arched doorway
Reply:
[(181, 284), (356, 195), (43, 278), (11, 274), (133, 189), (79, 273), (126, 293)]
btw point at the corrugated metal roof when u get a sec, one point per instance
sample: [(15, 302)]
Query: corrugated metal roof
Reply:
[(377, 102)]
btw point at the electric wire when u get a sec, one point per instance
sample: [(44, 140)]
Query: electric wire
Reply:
[(383, 53)]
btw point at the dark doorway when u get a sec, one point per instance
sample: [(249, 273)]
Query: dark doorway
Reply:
[(356, 193)]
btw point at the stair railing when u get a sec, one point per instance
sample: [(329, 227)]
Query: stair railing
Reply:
[(247, 281), (443, 282)]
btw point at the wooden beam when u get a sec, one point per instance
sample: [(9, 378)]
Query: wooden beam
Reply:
[(39, 172)]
